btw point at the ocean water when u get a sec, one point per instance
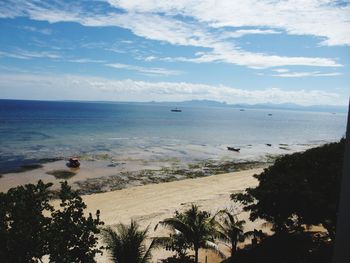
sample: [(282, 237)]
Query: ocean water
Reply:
[(34, 130)]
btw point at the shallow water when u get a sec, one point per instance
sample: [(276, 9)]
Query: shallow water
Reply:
[(32, 130)]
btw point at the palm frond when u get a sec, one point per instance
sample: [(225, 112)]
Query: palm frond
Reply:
[(176, 224), (229, 229), (126, 243), (161, 242), (249, 234), (214, 247)]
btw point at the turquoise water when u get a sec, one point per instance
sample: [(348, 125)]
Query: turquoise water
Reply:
[(32, 130)]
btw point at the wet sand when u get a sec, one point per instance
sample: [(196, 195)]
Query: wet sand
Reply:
[(108, 171), (96, 176)]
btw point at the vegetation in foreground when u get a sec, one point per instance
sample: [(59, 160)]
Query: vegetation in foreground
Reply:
[(126, 244), (230, 230), (194, 228), (32, 229), (299, 192)]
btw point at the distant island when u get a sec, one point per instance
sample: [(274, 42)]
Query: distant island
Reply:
[(281, 106), (213, 103)]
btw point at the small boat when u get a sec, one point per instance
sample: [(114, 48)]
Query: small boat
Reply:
[(233, 149), (73, 162), (269, 144), (270, 114), (242, 110), (176, 110)]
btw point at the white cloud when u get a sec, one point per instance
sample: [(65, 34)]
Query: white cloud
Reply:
[(145, 70), (206, 28), (258, 60), (12, 55), (86, 60), (31, 86), (155, 27), (45, 31), (307, 74), (149, 58), (321, 18), (243, 32), (176, 32), (25, 54), (281, 70)]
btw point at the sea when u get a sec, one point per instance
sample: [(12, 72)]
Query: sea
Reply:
[(31, 131)]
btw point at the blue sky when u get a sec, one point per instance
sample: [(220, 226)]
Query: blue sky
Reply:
[(249, 51)]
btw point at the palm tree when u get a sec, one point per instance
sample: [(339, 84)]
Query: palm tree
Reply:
[(196, 227), (126, 245), (230, 230)]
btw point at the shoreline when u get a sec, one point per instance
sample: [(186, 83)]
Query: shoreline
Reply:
[(184, 153), (103, 176), (104, 172)]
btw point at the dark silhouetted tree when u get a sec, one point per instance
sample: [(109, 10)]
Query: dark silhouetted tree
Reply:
[(30, 227), (127, 243), (299, 189), (196, 227), (72, 235), (24, 228), (230, 229)]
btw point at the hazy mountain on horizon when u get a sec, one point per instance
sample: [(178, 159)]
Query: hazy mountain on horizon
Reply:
[(281, 106), (213, 103)]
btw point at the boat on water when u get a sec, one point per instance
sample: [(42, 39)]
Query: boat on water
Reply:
[(233, 149), (176, 110), (73, 162)]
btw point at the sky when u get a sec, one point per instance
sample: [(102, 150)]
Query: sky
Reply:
[(234, 51)]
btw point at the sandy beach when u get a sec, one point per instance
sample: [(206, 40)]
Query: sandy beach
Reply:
[(149, 204)]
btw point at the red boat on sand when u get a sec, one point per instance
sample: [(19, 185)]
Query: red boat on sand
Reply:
[(73, 162)]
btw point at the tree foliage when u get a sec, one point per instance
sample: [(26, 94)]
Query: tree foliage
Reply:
[(195, 228), (299, 189), (230, 229), (127, 243), (30, 227), (177, 243), (296, 247), (72, 235), (24, 229)]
